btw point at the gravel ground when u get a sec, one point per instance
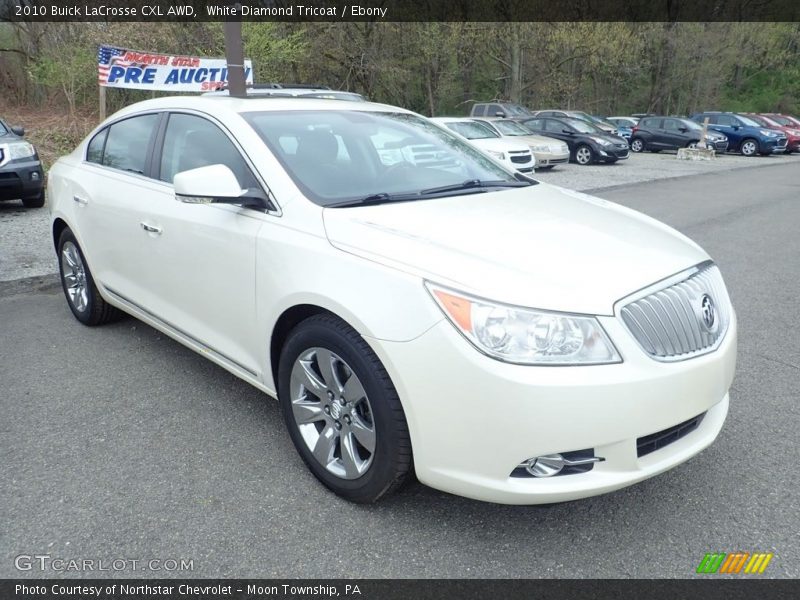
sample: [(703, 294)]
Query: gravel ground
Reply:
[(26, 249)]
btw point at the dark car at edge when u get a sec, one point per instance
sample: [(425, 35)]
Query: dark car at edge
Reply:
[(21, 175)]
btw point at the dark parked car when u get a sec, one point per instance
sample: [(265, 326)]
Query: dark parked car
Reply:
[(671, 133), (579, 114), (498, 109), (744, 135), (21, 175), (587, 144)]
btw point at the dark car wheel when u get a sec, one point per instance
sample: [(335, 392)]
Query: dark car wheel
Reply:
[(749, 147), (637, 145), (584, 155), (35, 202), (84, 300), (546, 168), (692, 144), (342, 410)]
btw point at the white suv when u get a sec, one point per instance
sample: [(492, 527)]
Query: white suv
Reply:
[(406, 298)]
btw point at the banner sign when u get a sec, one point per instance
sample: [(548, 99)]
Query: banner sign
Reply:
[(123, 68)]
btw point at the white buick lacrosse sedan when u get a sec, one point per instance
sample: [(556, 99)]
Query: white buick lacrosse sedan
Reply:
[(409, 301)]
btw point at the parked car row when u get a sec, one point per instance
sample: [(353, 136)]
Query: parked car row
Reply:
[(747, 133)]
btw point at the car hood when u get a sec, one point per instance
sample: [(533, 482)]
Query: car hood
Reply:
[(540, 246), (538, 140)]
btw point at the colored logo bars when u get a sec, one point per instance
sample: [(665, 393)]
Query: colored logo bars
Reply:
[(735, 563)]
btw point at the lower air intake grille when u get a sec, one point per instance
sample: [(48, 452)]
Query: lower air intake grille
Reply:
[(655, 441)]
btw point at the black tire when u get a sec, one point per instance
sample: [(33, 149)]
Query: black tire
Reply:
[(391, 462), (654, 151), (35, 202), (637, 145), (749, 147), (96, 310), (584, 155), (691, 144), (547, 168)]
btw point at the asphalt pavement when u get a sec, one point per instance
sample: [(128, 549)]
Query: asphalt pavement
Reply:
[(118, 443)]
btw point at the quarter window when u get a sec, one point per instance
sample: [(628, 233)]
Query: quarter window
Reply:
[(191, 142), (480, 110), (127, 143), (94, 152)]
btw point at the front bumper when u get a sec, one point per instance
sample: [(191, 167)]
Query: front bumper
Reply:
[(21, 179), (606, 153), (474, 419), (773, 145), (544, 159)]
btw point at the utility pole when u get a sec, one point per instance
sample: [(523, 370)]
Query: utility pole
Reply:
[(234, 54)]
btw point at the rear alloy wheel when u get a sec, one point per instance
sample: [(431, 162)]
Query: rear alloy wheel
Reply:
[(691, 145), (637, 145), (84, 300), (584, 155), (749, 147), (342, 411)]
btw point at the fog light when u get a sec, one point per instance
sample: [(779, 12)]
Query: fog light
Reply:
[(34, 176), (578, 461)]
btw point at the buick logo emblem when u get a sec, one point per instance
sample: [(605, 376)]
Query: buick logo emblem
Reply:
[(708, 312)]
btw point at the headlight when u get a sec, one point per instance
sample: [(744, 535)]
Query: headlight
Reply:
[(20, 150), (499, 155), (523, 335), (601, 141), (768, 133), (544, 148), (793, 132)]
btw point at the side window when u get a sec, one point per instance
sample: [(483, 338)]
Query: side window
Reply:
[(94, 151), (127, 142), (546, 113), (724, 120), (494, 109), (191, 142), (553, 125), (480, 110), (672, 124)]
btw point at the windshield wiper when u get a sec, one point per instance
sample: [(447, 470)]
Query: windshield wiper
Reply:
[(472, 184)]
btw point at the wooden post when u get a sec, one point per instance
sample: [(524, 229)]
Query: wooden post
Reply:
[(234, 55), (702, 143), (102, 98)]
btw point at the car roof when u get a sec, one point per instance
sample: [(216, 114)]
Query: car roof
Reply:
[(454, 119), (216, 104)]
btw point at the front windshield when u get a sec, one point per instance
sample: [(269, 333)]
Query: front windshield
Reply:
[(510, 128), (784, 121), (748, 121), (3, 129), (582, 126), (336, 156), (472, 130)]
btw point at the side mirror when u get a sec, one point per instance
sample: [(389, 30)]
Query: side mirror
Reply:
[(17, 130), (735, 127), (569, 131), (216, 184), (500, 114), (683, 129)]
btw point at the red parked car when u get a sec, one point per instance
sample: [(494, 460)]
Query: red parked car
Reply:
[(792, 129)]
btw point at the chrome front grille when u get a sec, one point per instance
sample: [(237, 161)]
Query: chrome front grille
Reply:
[(682, 319)]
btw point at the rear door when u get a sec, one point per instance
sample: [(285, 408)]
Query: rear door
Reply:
[(672, 135), (111, 196)]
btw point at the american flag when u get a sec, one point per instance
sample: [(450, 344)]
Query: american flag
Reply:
[(107, 57)]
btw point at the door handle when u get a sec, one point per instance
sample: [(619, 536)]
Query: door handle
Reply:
[(151, 228), (79, 200)]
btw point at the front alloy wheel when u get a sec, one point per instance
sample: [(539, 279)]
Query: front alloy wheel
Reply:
[(637, 145), (584, 155), (332, 413), (342, 411), (749, 147)]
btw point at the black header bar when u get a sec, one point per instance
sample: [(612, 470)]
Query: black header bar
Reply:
[(400, 10)]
